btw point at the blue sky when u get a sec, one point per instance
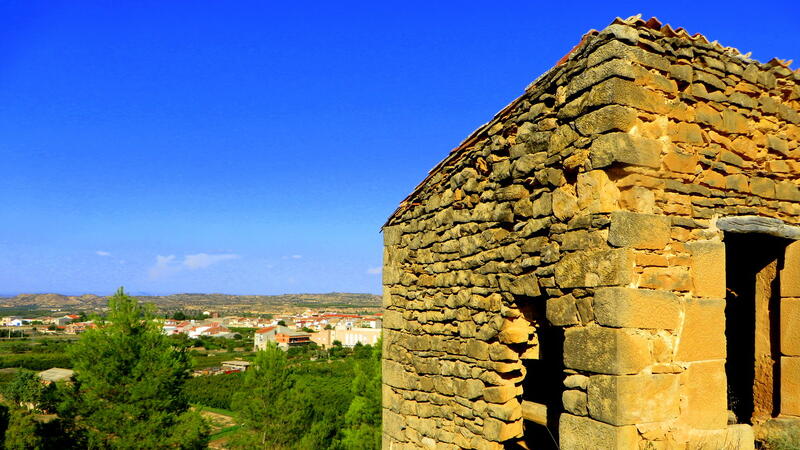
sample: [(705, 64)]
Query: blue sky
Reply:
[(257, 147)]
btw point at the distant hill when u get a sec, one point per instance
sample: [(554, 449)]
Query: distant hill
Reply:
[(218, 302)]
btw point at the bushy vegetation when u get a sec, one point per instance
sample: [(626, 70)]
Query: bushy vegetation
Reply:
[(132, 389), (215, 391), (35, 361), (787, 439)]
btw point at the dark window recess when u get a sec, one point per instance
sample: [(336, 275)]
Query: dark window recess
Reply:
[(544, 380), (753, 263)]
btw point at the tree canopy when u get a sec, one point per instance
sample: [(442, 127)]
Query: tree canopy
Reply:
[(129, 383)]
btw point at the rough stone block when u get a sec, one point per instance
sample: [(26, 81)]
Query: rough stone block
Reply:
[(395, 375), (790, 273), (562, 311), (632, 399), (606, 350), (612, 117), (675, 278), (499, 431), (527, 285), (734, 437), (575, 402), (597, 193), (393, 425), (704, 387), (790, 326), (592, 268), (565, 204), (708, 268), (507, 412), (703, 333), (790, 386), (637, 230), (625, 148), (583, 433), (636, 308), (467, 388), (500, 394)]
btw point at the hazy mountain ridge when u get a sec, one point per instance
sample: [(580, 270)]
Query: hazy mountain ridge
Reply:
[(195, 301)]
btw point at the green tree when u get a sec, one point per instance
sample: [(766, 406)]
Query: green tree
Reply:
[(129, 383), (263, 405), (23, 432), (25, 389), (363, 418)]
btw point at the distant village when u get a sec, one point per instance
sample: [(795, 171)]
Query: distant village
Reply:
[(322, 328)]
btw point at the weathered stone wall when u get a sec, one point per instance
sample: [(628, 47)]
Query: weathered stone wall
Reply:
[(592, 198)]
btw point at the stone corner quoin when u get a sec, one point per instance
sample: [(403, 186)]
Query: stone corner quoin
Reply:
[(575, 233)]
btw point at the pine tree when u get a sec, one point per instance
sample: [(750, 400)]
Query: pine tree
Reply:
[(129, 384), (263, 404), (363, 417)]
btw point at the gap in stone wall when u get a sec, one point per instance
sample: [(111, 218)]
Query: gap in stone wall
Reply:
[(544, 376), (753, 262)]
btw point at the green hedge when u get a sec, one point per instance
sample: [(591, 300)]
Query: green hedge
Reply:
[(215, 391), (35, 361)]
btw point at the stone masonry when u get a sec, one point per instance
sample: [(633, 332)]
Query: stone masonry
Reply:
[(594, 204)]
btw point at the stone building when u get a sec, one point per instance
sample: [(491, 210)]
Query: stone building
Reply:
[(609, 262)]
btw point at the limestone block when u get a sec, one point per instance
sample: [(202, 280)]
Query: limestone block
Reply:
[(624, 92), (499, 431), (703, 334), (790, 326), (707, 268), (612, 117), (467, 388), (527, 285), (790, 273), (704, 387), (763, 187), (606, 350), (395, 375), (637, 230), (787, 190), (592, 268), (514, 335), (583, 239), (638, 199), (632, 399), (575, 402), (678, 160), (576, 381), (500, 394), (636, 308), (565, 204), (734, 437), (562, 311), (507, 412), (392, 319), (583, 433), (790, 386), (393, 425), (625, 148), (597, 193), (675, 278), (500, 352)]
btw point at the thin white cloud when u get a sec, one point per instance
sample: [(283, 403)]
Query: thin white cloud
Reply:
[(203, 260), (102, 253), (374, 270), (168, 265), (164, 266), (292, 257)]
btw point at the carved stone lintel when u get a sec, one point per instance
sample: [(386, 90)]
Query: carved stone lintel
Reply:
[(756, 224)]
